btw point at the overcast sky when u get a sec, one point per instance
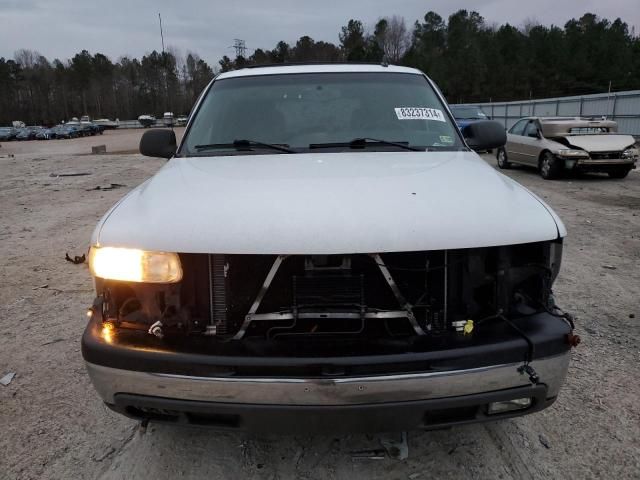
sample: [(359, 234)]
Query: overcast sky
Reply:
[(61, 28)]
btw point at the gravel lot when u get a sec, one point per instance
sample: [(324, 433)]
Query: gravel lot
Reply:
[(54, 426)]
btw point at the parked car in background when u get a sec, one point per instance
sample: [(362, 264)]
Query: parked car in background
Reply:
[(7, 134), (28, 133), (147, 120), (66, 132), (95, 129), (46, 134), (168, 119), (466, 114), (106, 123), (556, 145), (181, 121), (326, 251), (84, 129)]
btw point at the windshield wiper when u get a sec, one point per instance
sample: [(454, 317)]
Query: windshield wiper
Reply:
[(366, 142), (244, 145)]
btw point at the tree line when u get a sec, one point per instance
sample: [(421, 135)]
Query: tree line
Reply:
[(469, 58)]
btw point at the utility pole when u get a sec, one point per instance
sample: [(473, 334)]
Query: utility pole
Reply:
[(240, 47), (164, 67), (161, 34), (608, 103)]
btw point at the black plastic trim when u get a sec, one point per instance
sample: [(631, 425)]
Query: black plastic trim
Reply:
[(205, 356), (287, 419)]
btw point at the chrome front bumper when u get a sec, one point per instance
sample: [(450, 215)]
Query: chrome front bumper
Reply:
[(327, 391)]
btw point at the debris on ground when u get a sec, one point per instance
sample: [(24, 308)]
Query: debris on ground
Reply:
[(396, 449), (46, 285), (544, 441), (99, 149), (375, 454), (111, 186), (609, 267), (77, 260), (71, 174), (6, 380)]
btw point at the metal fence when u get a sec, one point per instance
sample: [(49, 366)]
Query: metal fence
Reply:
[(622, 107)]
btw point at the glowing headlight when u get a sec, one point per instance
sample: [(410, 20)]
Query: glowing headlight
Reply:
[(573, 153), (131, 265)]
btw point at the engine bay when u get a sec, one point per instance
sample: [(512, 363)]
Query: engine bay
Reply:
[(373, 297)]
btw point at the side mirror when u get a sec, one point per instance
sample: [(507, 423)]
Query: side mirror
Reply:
[(534, 134), (485, 135), (158, 143)]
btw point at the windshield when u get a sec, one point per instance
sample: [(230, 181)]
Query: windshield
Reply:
[(304, 110), (468, 113)]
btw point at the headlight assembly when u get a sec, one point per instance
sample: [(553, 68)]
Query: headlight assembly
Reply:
[(631, 154), (132, 265), (572, 153)]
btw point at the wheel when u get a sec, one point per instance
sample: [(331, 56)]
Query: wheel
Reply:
[(501, 156), (550, 167), (619, 172)]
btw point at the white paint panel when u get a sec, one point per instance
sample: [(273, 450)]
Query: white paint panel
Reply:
[(327, 203)]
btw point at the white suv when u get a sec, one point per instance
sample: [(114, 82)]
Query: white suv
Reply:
[(325, 251)]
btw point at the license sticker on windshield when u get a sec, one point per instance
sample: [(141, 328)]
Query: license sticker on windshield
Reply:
[(446, 139), (419, 113)]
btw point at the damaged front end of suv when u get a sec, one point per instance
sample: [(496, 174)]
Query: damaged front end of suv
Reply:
[(424, 318), (377, 286)]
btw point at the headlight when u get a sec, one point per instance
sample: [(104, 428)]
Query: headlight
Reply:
[(573, 153), (132, 265), (631, 153)]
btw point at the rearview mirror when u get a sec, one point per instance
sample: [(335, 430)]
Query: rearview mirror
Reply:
[(485, 135), (158, 143)]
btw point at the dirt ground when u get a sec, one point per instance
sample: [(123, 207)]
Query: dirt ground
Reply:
[(116, 141), (53, 424)]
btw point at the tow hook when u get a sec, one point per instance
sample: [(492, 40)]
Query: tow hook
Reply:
[(573, 340), (156, 329)]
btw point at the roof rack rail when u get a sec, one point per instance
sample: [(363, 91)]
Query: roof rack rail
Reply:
[(298, 64)]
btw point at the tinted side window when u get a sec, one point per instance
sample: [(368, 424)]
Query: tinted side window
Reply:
[(518, 128)]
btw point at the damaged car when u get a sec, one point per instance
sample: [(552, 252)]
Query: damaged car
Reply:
[(557, 145), (325, 251)]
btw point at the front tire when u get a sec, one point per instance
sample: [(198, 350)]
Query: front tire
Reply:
[(620, 172), (501, 156), (550, 167)]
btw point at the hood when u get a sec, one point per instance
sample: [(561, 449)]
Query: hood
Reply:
[(327, 203), (601, 143)]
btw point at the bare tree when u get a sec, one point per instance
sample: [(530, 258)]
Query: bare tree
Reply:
[(528, 24), (393, 37), (26, 58)]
